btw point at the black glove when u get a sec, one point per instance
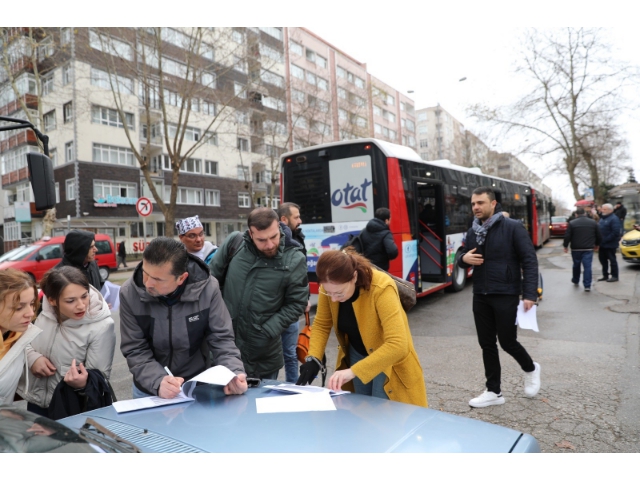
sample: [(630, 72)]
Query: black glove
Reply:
[(308, 371)]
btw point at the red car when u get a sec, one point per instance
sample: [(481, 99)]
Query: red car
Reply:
[(41, 256), (558, 226)]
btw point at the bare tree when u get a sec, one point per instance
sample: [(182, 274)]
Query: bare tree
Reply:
[(173, 94), (575, 98)]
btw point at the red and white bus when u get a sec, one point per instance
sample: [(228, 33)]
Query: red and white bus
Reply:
[(338, 187)]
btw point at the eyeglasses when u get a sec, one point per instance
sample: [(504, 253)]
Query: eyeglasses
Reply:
[(193, 236), (333, 295)]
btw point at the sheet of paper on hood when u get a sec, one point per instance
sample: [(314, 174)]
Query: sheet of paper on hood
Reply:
[(111, 294), (295, 403), (527, 320), (289, 388), (218, 375)]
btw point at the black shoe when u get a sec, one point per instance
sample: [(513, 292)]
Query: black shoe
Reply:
[(575, 284), (587, 289), (612, 279), (603, 279)]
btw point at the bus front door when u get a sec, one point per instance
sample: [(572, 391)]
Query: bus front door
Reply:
[(430, 227)]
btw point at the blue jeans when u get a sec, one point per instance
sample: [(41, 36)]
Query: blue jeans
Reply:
[(137, 393), (375, 388), (584, 258), (289, 343)]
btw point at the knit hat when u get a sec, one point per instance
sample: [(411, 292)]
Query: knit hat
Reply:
[(187, 224)]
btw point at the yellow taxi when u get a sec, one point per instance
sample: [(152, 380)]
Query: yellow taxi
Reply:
[(630, 246)]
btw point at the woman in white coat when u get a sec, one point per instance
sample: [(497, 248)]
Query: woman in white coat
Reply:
[(18, 303), (77, 335)]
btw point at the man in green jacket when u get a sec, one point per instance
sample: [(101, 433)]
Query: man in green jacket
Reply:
[(265, 289)]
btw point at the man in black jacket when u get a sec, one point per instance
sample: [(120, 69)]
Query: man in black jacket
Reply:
[(584, 236), (377, 240), (499, 249), (80, 252)]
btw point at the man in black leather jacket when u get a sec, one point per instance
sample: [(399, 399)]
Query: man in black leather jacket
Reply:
[(377, 239), (505, 266)]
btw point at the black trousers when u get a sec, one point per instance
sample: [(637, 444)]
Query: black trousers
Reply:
[(495, 316), (608, 256)]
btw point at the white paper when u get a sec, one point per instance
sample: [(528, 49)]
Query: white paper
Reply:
[(295, 403), (528, 319), (288, 388), (111, 294), (218, 375), (149, 402)]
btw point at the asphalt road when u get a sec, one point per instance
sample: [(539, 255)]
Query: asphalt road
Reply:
[(588, 347)]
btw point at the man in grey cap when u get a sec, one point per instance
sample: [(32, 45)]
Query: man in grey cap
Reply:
[(192, 236)]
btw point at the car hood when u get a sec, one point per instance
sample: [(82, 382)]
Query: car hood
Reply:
[(632, 235), (226, 424)]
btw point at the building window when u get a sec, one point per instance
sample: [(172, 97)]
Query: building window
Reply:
[(239, 64), (238, 37), (243, 173), (137, 229), (295, 48), (67, 112), (49, 121), (110, 117), (100, 78), (189, 196), (111, 154), (208, 108), (242, 117), (68, 152), (66, 75), (244, 200), (103, 188), (239, 90), (110, 45), (65, 35), (297, 72), (424, 143), (211, 138), (57, 192), (212, 198), (243, 144), (411, 126), (70, 188), (275, 32), (47, 84), (210, 167), (191, 165), (53, 155), (160, 228)]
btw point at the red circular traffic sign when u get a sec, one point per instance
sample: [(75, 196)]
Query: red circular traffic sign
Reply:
[(144, 207)]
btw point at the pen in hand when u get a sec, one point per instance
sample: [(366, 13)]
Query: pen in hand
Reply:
[(166, 369)]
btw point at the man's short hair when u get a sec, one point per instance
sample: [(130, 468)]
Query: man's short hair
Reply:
[(262, 218), (482, 190), (284, 210), (619, 203), (579, 211), (383, 214), (163, 250), (607, 206)]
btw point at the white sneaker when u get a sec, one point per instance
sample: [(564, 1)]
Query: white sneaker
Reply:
[(486, 400), (532, 381)]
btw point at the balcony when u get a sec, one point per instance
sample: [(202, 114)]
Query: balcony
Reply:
[(31, 101), (9, 212), (21, 138), (15, 176)]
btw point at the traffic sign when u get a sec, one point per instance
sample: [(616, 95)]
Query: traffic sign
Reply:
[(144, 207)]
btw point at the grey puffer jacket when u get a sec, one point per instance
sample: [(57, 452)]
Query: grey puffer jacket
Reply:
[(154, 335), (90, 340), (264, 296)]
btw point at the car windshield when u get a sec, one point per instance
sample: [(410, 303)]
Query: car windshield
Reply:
[(558, 219), (12, 253), (25, 253)]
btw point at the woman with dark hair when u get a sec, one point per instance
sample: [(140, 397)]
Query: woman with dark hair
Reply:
[(77, 335), (18, 304), (376, 356)]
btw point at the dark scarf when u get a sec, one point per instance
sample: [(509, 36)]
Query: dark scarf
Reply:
[(481, 229), (174, 297)]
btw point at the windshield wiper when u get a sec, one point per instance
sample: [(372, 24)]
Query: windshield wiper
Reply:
[(104, 438)]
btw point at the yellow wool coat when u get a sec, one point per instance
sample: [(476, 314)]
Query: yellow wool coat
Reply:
[(385, 333)]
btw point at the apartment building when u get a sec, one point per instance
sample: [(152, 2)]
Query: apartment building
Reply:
[(440, 135), (237, 98)]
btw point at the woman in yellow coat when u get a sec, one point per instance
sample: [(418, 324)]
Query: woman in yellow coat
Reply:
[(376, 356)]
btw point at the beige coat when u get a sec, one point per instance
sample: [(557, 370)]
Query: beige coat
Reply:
[(12, 365), (385, 333), (90, 340)]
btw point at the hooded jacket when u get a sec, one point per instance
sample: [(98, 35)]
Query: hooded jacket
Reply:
[(76, 246), (90, 340), (264, 296), (155, 335), (378, 243), (13, 365), (510, 263)]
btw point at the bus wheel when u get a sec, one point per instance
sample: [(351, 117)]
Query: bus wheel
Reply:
[(459, 276)]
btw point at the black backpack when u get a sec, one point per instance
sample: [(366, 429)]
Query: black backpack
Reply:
[(354, 241)]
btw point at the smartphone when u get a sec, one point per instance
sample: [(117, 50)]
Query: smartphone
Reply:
[(253, 382)]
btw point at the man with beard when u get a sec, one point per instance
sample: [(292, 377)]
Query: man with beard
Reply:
[(169, 309), (265, 288)]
